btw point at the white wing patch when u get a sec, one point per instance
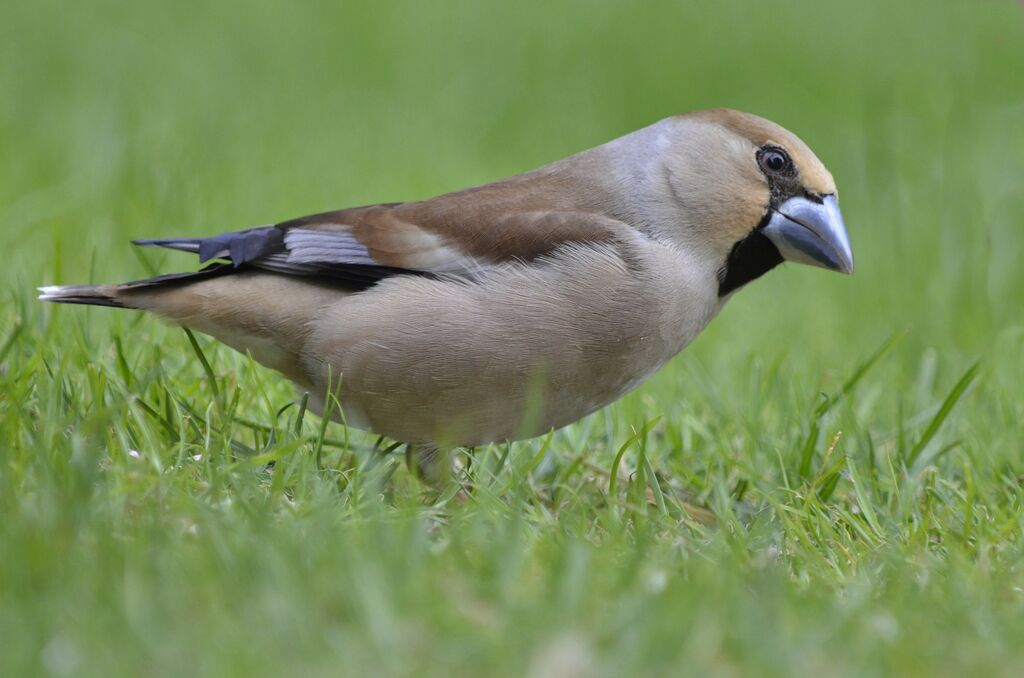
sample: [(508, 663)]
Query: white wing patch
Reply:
[(415, 250), (307, 246)]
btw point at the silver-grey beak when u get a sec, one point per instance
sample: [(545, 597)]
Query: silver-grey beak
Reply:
[(811, 233)]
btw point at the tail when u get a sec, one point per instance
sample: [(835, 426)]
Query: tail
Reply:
[(94, 295), (263, 313), (120, 296)]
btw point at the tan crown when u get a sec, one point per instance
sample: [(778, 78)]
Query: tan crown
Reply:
[(759, 132)]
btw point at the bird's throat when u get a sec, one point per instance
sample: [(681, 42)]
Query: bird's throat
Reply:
[(749, 259)]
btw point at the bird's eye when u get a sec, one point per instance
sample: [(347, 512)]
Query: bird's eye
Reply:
[(774, 160)]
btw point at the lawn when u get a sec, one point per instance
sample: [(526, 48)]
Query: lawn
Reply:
[(829, 481)]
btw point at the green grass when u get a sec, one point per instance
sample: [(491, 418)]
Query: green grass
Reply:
[(827, 482)]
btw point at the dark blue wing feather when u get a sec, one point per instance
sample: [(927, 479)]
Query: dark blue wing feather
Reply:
[(329, 255)]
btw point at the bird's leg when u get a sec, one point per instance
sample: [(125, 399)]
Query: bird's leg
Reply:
[(429, 463)]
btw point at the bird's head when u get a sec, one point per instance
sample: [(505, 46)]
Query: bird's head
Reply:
[(753, 194)]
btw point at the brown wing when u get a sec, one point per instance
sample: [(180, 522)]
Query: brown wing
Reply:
[(458, 234)]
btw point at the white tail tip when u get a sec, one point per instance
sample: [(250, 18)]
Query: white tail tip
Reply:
[(50, 292)]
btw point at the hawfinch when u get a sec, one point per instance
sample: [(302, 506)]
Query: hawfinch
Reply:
[(507, 310)]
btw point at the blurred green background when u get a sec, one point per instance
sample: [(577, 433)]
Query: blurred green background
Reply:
[(123, 120)]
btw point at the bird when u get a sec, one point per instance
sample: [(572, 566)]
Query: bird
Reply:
[(507, 310)]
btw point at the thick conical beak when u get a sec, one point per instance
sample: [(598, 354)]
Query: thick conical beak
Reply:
[(811, 233)]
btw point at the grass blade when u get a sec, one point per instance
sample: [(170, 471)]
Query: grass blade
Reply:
[(613, 479), (860, 372), (652, 480), (206, 367), (11, 338), (947, 407), (811, 441)]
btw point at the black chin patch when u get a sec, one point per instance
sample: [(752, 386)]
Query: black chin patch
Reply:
[(749, 259)]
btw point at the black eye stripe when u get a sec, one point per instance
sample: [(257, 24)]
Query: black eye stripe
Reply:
[(774, 160), (778, 168)]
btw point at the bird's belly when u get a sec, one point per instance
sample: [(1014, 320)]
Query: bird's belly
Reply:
[(509, 358), (485, 400)]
